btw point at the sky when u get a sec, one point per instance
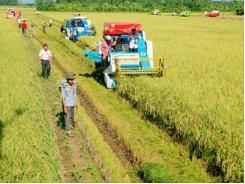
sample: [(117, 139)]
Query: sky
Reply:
[(26, 1)]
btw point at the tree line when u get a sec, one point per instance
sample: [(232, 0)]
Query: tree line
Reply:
[(134, 5), (8, 2)]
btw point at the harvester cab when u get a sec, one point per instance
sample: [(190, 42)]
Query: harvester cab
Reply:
[(79, 26), (128, 54)]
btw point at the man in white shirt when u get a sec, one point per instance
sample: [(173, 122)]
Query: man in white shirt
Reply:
[(45, 57)]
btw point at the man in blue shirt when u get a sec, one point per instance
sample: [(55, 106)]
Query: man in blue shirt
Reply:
[(69, 99)]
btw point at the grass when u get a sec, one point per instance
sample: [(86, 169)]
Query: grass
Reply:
[(201, 99)]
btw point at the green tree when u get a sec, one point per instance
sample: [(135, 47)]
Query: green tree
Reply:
[(9, 2)]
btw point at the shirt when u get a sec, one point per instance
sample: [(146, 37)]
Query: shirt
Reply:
[(24, 25), (105, 48), (68, 26), (68, 94), (45, 55), (19, 20), (133, 44)]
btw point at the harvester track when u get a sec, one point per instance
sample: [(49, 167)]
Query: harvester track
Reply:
[(117, 144)]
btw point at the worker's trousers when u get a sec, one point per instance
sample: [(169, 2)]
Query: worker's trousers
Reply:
[(45, 68), (69, 118)]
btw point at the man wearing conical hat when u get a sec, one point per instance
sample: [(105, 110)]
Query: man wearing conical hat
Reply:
[(69, 99)]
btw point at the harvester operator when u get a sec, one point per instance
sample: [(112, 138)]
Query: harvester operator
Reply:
[(133, 43), (106, 46)]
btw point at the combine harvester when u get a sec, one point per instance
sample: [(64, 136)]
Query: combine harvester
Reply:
[(122, 60), (11, 13), (214, 13), (79, 26)]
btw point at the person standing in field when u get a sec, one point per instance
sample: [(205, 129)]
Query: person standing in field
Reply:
[(44, 26), (45, 56), (69, 101), (50, 23), (32, 31), (24, 27), (19, 21)]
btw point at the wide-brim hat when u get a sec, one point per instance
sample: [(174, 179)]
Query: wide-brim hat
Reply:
[(70, 75)]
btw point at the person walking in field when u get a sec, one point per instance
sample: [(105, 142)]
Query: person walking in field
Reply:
[(24, 27), (32, 31), (19, 21), (44, 26), (69, 101), (45, 56)]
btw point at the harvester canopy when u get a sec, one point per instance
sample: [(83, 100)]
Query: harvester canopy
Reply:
[(119, 28)]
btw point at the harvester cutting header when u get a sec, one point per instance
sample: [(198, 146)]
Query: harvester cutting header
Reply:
[(124, 51)]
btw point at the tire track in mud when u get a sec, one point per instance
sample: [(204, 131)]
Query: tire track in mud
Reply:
[(117, 144)]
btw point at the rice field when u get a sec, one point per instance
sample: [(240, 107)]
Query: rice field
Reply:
[(201, 99), (28, 151), (199, 103)]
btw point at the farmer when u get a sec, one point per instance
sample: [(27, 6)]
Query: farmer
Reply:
[(45, 56), (69, 100), (74, 32), (105, 48), (50, 23), (19, 21), (44, 26), (133, 43), (24, 27), (68, 29), (32, 31)]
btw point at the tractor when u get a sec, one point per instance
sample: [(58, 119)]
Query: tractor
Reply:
[(11, 13), (123, 59), (214, 13), (78, 26)]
